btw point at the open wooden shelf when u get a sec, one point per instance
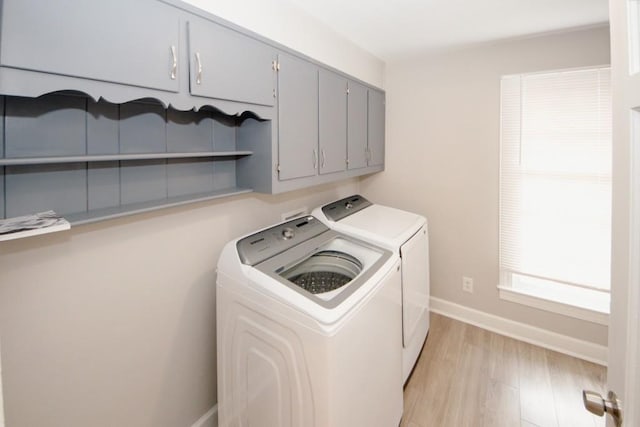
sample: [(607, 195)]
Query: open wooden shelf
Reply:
[(118, 157)]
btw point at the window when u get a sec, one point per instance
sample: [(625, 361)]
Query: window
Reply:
[(555, 190)]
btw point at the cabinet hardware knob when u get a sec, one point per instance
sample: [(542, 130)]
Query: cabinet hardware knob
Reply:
[(315, 159), (596, 404)]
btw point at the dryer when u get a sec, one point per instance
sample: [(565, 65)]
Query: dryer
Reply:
[(308, 330), (405, 234)]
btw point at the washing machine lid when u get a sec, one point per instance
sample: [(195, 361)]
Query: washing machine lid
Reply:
[(317, 263), (382, 225)]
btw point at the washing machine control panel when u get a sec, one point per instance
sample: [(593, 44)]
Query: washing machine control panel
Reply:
[(274, 240), (343, 208)]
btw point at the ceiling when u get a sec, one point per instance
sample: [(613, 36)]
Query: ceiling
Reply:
[(392, 29)]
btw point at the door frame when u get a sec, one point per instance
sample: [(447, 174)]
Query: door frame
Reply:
[(624, 337)]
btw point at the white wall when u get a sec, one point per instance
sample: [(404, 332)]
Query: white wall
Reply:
[(113, 324), (443, 117)]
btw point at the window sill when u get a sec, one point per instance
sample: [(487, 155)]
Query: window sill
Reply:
[(560, 304)]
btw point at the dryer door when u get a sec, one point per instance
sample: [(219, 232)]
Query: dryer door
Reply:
[(415, 287)]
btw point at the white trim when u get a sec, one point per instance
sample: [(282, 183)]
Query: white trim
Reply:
[(209, 419), (583, 313), (561, 70), (541, 337), (632, 368)]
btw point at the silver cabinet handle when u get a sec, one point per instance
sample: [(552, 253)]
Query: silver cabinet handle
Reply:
[(174, 63), (198, 69), (315, 158), (323, 158)]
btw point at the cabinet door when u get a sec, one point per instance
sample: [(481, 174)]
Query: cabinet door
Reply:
[(297, 118), (376, 128), (118, 41), (225, 64), (333, 122), (357, 134)]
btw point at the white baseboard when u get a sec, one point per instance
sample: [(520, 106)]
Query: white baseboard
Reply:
[(541, 337), (209, 419)]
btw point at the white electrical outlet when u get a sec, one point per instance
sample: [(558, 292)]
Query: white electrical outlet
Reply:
[(467, 284)]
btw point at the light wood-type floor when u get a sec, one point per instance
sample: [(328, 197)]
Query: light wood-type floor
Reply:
[(467, 376)]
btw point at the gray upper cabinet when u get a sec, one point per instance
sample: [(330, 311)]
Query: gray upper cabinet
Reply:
[(357, 129), (297, 117), (332, 122), (226, 64), (376, 128), (117, 41), (149, 103)]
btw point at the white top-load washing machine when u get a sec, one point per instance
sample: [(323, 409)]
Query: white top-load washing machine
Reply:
[(308, 330), (404, 233)]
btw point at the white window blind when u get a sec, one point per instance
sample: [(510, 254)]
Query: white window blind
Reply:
[(555, 178)]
